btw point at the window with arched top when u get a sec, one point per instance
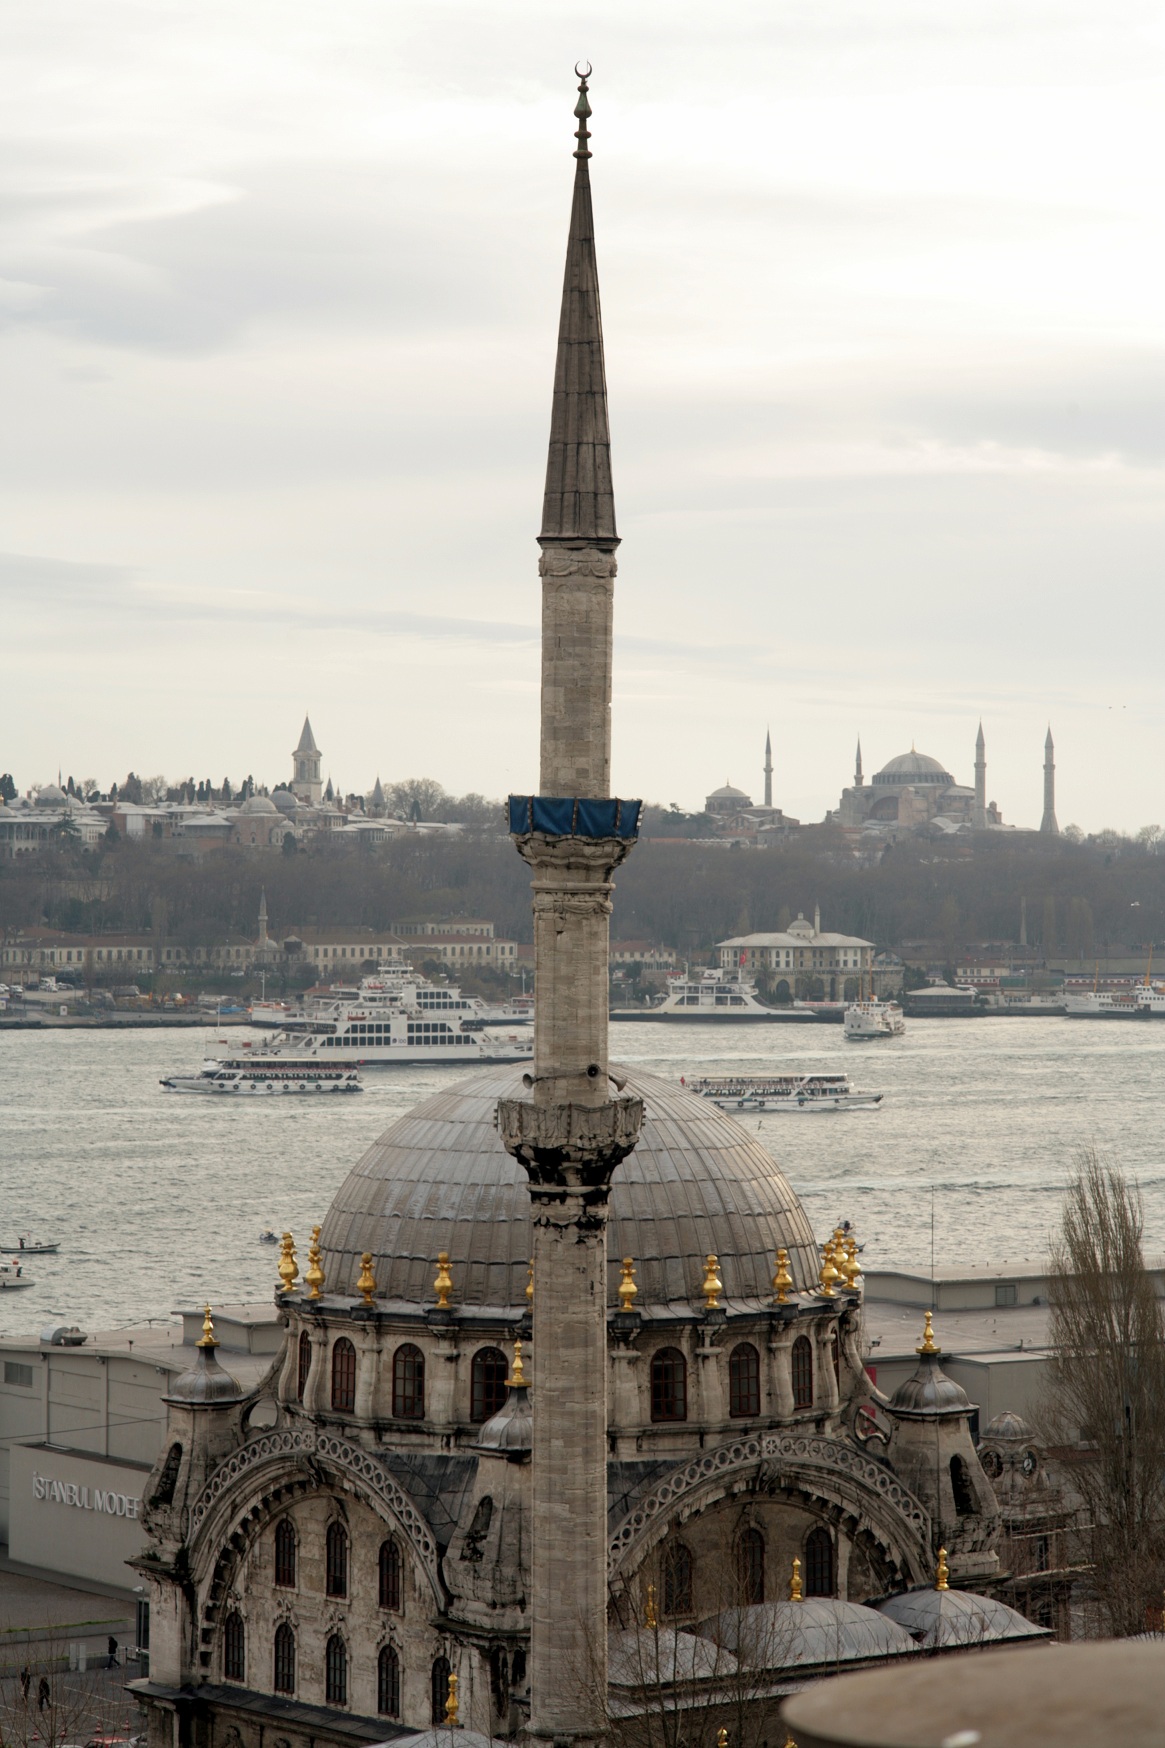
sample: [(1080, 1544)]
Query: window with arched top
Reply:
[(303, 1364), (744, 1382), (802, 1372), (820, 1570), (285, 1554), (388, 1683), (234, 1648), (488, 1383), (750, 1567), (669, 1385), (336, 1672), (284, 1681), (966, 1502), (336, 1561), (439, 1688), (343, 1376), (677, 1579), (408, 1383), (390, 1574)]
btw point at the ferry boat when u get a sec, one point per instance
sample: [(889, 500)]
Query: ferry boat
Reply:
[(372, 1033), (398, 987), (1107, 1004), (721, 996), (259, 1077), (765, 1094), (873, 1019), (12, 1275)]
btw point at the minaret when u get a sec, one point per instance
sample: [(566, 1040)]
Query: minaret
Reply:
[(569, 1132), (980, 779), (1048, 823), (262, 918), (858, 779), (768, 770)]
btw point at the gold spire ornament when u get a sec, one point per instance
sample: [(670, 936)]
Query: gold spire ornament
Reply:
[(530, 1285), (313, 1274), (209, 1339), (650, 1620), (928, 1343), (452, 1721), (443, 1280), (942, 1574), (288, 1267), (829, 1274), (851, 1267), (366, 1285), (722, 1739), (795, 1582), (713, 1286), (782, 1279), (517, 1375), (628, 1291)]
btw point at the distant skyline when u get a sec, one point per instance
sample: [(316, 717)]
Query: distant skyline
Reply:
[(881, 285)]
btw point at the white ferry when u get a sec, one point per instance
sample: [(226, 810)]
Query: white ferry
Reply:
[(1107, 1004), (369, 1033), (12, 1275), (720, 996), (873, 1019), (764, 1094), (398, 988), (259, 1077)]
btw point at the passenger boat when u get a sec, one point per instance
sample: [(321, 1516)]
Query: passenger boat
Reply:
[(29, 1246), (12, 1276), (260, 1077), (873, 1019), (398, 988), (1106, 1004), (764, 1094), (371, 1028), (723, 997)]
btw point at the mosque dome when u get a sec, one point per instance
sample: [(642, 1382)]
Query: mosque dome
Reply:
[(284, 801), (728, 793), (205, 1384), (1009, 1426), (819, 1629), (943, 1619), (440, 1179), (912, 768), (259, 804), (929, 1391), (50, 796)]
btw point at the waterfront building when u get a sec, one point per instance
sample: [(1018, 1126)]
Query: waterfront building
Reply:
[(804, 949), (30, 823)]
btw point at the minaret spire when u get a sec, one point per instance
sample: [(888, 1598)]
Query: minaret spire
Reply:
[(858, 765), (1048, 823), (768, 769), (980, 779)]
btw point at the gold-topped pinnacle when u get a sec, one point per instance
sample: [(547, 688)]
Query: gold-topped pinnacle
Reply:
[(517, 1375), (713, 1286), (942, 1572), (722, 1738), (650, 1619), (313, 1274), (782, 1279), (829, 1274), (851, 1267), (209, 1339), (795, 1582), (928, 1343), (442, 1280), (366, 1285), (530, 1285), (288, 1267), (452, 1721), (628, 1291)]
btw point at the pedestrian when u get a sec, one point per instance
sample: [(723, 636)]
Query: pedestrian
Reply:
[(112, 1652), (42, 1693), (25, 1682)]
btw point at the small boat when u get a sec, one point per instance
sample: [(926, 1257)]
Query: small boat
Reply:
[(267, 1236), (261, 1077), (873, 1019), (12, 1275), (766, 1094), (29, 1246)]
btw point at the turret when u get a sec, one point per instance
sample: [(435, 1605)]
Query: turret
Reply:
[(306, 761), (858, 778)]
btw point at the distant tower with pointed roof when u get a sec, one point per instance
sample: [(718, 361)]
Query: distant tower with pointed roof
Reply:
[(306, 783), (377, 805), (768, 770), (858, 778), (1048, 823), (980, 779)]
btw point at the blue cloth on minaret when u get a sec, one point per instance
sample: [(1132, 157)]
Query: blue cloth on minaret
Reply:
[(565, 816)]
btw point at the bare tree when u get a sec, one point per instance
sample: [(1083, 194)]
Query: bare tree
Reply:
[(44, 1701), (1107, 1395)]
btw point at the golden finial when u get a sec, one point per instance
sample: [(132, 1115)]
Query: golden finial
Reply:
[(942, 1572), (838, 1244), (649, 1618), (288, 1267), (851, 1267), (782, 1280), (367, 1282), (517, 1375), (209, 1339), (313, 1274), (928, 1345), (722, 1739), (713, 1286), (452, 1721), (443, 1280), (795, 1582), (628, 1291), (829, 1273), (530, 1285)]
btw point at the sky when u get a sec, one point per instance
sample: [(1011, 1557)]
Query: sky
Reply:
[(883, 301)]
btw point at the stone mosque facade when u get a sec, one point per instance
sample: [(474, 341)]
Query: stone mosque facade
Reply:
[(376, 1543)]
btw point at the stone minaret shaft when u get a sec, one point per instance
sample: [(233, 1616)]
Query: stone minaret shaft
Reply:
[(570, 1133), (980, 779), (768, 770), (1048, 823), (858, 767)]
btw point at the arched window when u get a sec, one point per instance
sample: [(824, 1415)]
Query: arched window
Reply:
[(336, 1672), (669, 1385), (390, 1575), (388, 1683), (750, 1567), (285, 1554), (343, 1376), (965, 1501), (677, 1579), (802, 1373), (234, 1648), (408, 1383), (744, 1382), (304, 1365), (440, 1689), (488, 1383), (337, 1560), (284, 1659), (820, 1578)]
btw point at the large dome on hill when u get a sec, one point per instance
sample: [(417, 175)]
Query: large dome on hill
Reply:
[(912, 767), (440, 1179)]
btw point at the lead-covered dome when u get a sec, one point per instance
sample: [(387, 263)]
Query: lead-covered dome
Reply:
[(910, 768), (440, 1179)]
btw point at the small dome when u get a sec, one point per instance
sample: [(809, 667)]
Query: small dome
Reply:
[(728, 793), (943, 1619), (912, 767), (929, 1391), (259, 804), (284, 801), (512, 1427), (50, 796), (1009, 1428), (205, 1382), (654, 1656), (819, 1630)]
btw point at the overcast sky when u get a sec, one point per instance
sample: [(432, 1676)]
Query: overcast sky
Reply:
[(884, 308)]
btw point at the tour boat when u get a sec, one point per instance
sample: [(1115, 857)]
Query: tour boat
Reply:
[(12, 1275), (1107, 1004), (398, 987), (260, 1077), (720, 996), (763, 1094), (873, 1019), (375, 1034)]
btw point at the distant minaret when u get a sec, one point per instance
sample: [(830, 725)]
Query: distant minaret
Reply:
[(262, 916), (305, 782), (768, 770), (980, 779), (1048, 823), (858, 779)]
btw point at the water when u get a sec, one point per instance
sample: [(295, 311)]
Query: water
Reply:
[(158, 1200)]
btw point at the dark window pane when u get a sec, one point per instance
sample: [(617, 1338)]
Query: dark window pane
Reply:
[(677, 1580), (284, 1659), (669, 1385), (441, 1674), (336, 1672), (304, 1363), (344, 1376), (744, 1382), (234, 1655), (408, 1383), (388, 1683), (802, 1373), (390, 1575), (750, 1567), (337, 1560), (819, 1578), (284, 1554), (489, 1383)]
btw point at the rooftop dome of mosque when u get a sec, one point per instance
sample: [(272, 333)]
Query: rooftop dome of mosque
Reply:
[(912, 768), (52, 795), (941, 1619), (440, 1179), (284, 801), (728, 792), (259, 804), (817, 1630)]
